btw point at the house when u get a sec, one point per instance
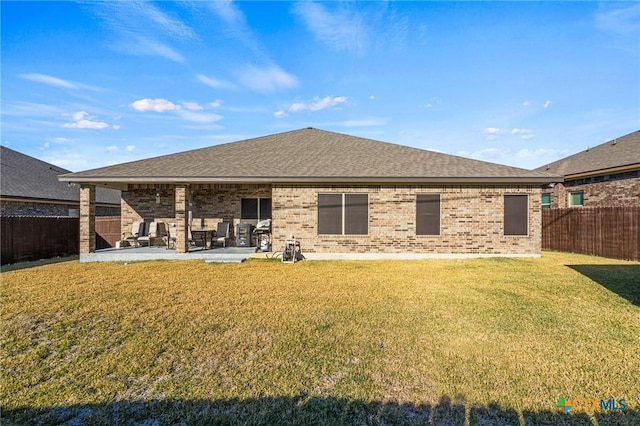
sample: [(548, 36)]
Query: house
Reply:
[(607, 175), (30, 187), (338, 194)]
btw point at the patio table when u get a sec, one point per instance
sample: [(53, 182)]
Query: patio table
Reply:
[(201, 235)]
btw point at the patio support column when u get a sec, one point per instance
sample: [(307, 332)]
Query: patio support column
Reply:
[(182, 237), (87, 219)]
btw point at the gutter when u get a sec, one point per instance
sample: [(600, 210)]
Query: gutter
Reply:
[(104, 180)]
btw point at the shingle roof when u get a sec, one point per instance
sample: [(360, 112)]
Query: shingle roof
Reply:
[(309, 155), (22, 176), (620, 152)]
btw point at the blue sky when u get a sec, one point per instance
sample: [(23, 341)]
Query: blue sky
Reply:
[(89, 84)]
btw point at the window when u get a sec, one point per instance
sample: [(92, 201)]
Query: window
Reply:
[(516, 214), (546, 201), (73, 212), (576, 199), (343, 214), (255, 208), (428, 214)]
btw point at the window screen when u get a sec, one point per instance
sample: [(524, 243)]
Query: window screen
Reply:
[(356, 214), (343, 214), (428, 214), (329, 213), (516, 216)]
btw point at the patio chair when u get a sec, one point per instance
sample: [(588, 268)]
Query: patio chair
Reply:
[(171, 236), (193, 241), (137, 230), (221, 235), (156, 231)]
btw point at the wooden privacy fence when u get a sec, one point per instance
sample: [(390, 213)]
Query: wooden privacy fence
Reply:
[(603, 231), (28, 238), (32, 238), (107, 231)]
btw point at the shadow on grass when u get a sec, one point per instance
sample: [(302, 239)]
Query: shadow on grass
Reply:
[(26, 265), (623, 280), (300, 410)]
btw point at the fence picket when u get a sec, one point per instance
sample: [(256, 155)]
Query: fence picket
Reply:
[(602, 231), (28, 238)]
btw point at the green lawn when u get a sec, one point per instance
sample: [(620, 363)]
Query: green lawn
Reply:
[(483, 341)]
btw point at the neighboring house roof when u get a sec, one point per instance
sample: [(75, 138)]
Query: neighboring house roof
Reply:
[(25, 177), (308, 155), (615, 155)]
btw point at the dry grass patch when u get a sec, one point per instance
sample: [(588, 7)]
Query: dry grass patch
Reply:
[(355, 342)]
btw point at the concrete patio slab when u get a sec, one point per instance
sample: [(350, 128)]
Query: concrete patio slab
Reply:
[(137, 254)]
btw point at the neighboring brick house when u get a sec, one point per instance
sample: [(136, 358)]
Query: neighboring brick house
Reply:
[(336, 193), (607, 175), (30, 187)]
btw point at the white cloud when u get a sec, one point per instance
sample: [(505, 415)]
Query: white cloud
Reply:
[(372, 97), (157, 105), (169, 25), (140, 28), (215, 104), (432, 102), (82, 120), (77, 116), (116, 127), (280, 114), (622, 21), (493, 133), (192, 106), (149, 46), (214, 83), (235, 24), (50, 80), (266, 80), (199, 117), (112, 148), (339, 28), (317, 104), (547, 103), (57, 82), (187, 110), (130, 148), (526, 103), (521, 131)]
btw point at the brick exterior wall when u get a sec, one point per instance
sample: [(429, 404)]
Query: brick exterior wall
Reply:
[(16, 208), (23, 208), (471, 220), (608, 193)]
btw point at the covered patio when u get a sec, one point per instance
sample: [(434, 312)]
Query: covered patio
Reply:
[(192, 211)]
